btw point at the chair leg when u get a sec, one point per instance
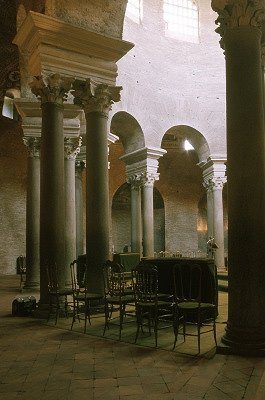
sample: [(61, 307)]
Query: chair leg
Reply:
[(107, 316), (138, 321)]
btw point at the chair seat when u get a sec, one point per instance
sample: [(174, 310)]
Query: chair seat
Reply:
[(122, 299), (87, 296), (63, 292), (192, 305)]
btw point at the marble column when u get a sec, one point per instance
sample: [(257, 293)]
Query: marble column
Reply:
[(52, 92), (33, 213), (136, 215), (71, 149), (96, 99), (148, 180), (79, 168), (241, 32)]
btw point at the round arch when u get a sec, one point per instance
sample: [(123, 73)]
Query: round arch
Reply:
[(129, 131)]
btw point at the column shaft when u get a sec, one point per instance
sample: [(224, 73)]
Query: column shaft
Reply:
[(70, 216), (218, 225), (136, 220), (33, 223), (79, 210), (52, 210), (148, 220), (97, 202), (246, 189)]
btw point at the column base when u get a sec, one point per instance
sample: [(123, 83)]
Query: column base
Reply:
[(33, 287), (245, 342)]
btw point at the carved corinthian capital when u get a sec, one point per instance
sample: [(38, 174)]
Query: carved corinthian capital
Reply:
[(52, 88), (148, 178), (234, 13), (33, 145), (135, 181), (94, 97), (72, 147)]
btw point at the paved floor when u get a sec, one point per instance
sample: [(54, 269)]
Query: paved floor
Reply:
[(40, 361)]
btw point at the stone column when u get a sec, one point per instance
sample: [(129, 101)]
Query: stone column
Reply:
[(33, 213), (136, 216), (71, 149), (148, 180), (79, 168), (214, 179), (52, 92), (96, 99), (240, 28)]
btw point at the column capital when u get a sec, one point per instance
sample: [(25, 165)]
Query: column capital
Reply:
[(52, 88), (214, 183), (135, 181), (95, 97), (235, 13), (148, 178), (33, 144), (72, 147)]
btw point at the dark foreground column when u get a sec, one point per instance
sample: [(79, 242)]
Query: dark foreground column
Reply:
[(245, 333), (52, 93), (96, 100)]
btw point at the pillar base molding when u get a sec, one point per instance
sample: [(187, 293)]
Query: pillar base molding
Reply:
[(31, 287), (243, 341)]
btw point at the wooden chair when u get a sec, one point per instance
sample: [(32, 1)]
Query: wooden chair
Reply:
[(58, 300), (83, 301), (116, 298), (189, 306), (149, 303)]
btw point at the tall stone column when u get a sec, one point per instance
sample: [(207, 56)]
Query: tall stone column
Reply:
[(136, 215), (52, 92), (71, 149), (96, 99), (79, 168), (33, 213), (240, 28), (148, 180), (214, 179)]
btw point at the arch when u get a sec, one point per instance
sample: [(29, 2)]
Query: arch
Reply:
[(179, 133), (127, 128)]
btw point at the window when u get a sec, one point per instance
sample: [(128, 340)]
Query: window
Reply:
[(134, 10), (182, 19)]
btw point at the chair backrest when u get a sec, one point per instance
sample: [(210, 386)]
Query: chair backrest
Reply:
[(113, 278), (52, 275), (145, 283), (188, 282), (78, 278), (21, 264)]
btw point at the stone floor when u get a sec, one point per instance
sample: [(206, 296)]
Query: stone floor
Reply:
[(43, 361)]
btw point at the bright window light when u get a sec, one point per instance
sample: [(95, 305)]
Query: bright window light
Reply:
[(188, 146), (134, 10), (181, 19)]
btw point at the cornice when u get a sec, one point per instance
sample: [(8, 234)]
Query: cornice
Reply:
[(52, 45)]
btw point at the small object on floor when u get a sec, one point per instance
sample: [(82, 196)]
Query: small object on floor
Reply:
[(23, 306)]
